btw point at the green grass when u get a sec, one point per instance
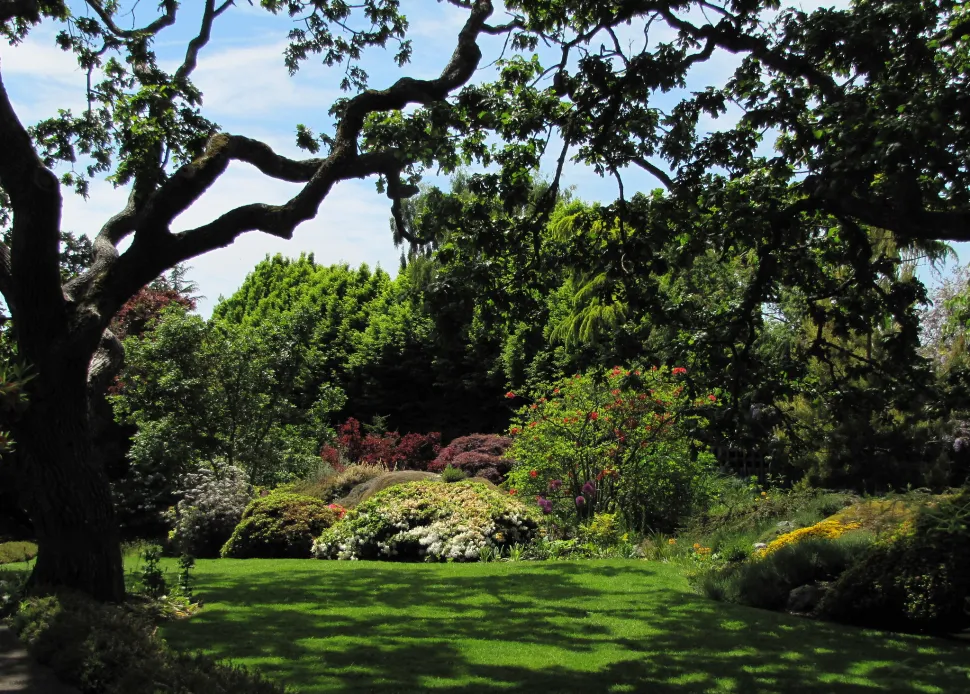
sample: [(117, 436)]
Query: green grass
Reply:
[(590, 626)]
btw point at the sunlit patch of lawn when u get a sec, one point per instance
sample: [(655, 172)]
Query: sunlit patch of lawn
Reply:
[(590, 626)]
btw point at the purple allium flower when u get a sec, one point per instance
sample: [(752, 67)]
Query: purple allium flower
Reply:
[(554, 485), (580, 501), (589, 489), (545, 505)]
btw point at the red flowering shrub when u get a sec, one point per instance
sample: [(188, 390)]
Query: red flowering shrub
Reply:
[(622, 442)]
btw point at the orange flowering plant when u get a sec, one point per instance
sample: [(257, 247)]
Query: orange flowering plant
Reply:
[(621, 441)]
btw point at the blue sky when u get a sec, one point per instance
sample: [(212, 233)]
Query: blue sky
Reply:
[(248, 91)]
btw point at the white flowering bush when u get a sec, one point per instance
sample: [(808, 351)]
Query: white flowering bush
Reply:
[(431, 521), (212, 505)]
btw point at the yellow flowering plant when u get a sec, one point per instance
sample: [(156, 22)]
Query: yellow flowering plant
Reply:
[(829, 529)]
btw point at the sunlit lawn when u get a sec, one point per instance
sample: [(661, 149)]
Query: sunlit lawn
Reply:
[(592, 626)]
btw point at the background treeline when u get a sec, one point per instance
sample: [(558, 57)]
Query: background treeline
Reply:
[(823, 371), (839, 372)]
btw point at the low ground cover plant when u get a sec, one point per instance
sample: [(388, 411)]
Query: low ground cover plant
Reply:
[(619, 442), (113, 649), (829, 529), (430, 521), (280, 525), (767, 581), (742, 515)]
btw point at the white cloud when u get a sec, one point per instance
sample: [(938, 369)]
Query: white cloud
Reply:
[(41, 78), (251, 82), (38, 57)]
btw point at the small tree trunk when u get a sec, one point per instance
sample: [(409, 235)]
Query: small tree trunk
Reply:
[(66, 491)]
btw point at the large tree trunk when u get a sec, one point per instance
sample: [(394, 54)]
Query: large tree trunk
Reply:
[(66, 490)]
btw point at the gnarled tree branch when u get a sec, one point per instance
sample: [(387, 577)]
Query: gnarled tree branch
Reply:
[(155, 248), (167, 19)]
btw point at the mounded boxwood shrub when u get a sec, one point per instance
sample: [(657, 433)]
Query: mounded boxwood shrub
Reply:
[(430, 521), (279, 525), (109, 649), (11, 552)]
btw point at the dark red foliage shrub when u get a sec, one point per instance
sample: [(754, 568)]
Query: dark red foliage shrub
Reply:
[(144, 307), (417, 451), (491, 467), (479, 455), (331, 456), (380, 449), (410, 452), (489, 444)]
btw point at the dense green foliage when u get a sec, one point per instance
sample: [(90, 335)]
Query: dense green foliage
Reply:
[(375, 339), (204, 395), (279, 525), (430, 521)]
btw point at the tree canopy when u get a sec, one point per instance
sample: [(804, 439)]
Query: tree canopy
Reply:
[(843, 152)]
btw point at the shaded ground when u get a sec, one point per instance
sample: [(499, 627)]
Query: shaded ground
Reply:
[(601, 626), (20, 673)]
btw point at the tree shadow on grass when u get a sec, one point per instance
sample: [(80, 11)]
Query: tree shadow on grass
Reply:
[(552, 627)]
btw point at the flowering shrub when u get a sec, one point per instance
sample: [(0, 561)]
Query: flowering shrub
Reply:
[(209, 511), (477, 455), (408, 452), (620, 442), (432, 520), (604, 530), (829, 529), (280, 525)]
